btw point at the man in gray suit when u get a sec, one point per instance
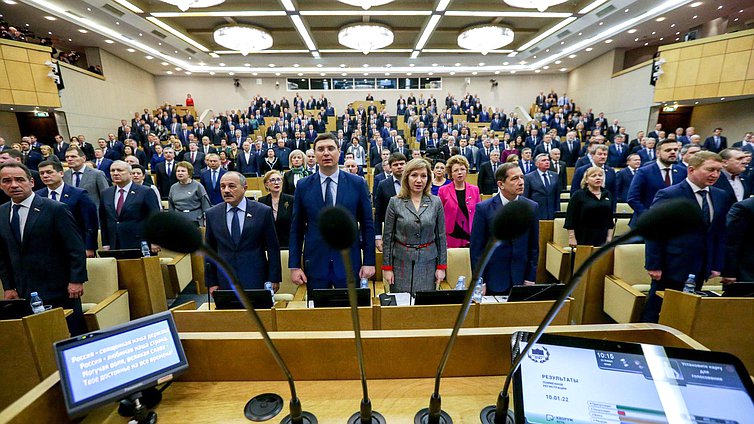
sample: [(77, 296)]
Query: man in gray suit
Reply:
[(542, 186), (81, 176)]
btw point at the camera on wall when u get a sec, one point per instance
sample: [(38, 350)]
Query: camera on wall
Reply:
[(493, 83), (236, 82), (277, 84)]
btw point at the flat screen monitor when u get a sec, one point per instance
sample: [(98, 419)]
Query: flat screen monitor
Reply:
[(14, 309), (535, 292), (575, 380), (338, 298), (439, 297), (227, 299), (109, 365), (120, 253), (738, 290)]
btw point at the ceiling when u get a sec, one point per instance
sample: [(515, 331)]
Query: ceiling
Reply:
[(164, 40)]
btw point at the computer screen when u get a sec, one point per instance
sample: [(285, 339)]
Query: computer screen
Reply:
[(562, 381), (109, 365)]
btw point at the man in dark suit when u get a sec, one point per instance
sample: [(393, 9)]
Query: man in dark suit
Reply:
[(123, 210), (102, 163), (386, 189), (617, 152), (739, 262), (29, 157), (195, 158), (82, 208), (41, 249), (701, 250), (59, 147), (165, 172), (206, 147), (733, 179), (486, 179), (210, 179), (647, 152), (599, 159), (533, 140), (323, 267), (515, 261), (716, 142), (545, 146), (624, 177), (93, 181), (559, 167), (107, 152), (525, 163), (542, 187), (250, 246), (246, 162), (216, 134), (653, 177)]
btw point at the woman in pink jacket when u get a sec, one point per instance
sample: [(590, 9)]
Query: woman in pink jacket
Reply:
[(459, 201)]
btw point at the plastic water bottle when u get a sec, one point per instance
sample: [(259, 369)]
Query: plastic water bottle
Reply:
[(36, 303), (364, 283), (690, 285), (145, 249), (477, 297), (461, 283), (268, 286)]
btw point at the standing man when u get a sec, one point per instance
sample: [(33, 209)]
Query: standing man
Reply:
[(81, 176), (542, 187), (322, 266), (243, 232), (82, 208), (624, 177), (515, 261), (559, 167), (60, 147), (716, 142), (653, 177), (701, 250), (210, 179), (123, 210), (166, 172), (739, 262), (387, 189), (733, 175), (486, 179), (41, 249), (195, 158)]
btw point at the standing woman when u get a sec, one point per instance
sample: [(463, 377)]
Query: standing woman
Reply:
[(281, 204), (589, 218), (459, 200), (296, 173), (511, 148), (188, 196), (439, 178), (269, 163), (414, 234)]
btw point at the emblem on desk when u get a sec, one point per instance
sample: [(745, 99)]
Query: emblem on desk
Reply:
[(539, 354)]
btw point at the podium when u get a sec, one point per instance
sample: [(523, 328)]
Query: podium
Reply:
[(226, 369)]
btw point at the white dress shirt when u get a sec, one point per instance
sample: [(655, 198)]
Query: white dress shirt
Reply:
[(241, 215), (698, 197), (126, 189)]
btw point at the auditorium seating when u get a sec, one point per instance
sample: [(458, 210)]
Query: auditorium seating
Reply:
[(459, 264), (558, 253), (176, 272), (626, 287), (104, 305)]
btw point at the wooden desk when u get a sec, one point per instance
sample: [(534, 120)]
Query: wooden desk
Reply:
[(143, 280)]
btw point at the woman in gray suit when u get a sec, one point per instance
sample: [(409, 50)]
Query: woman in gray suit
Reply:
[(414, 234)]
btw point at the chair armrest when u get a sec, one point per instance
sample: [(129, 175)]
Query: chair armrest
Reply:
[(623, 302), (300, 293), (180, 272), (111, 311)]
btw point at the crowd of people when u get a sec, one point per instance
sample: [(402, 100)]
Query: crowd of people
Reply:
[(420, 203), (26, 35)]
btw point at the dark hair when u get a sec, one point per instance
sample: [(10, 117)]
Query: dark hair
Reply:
[(16, 165), (664, 141), (325, 136), (137, 166), (57, 166), (396, 157), (502, 171), (15, 154)]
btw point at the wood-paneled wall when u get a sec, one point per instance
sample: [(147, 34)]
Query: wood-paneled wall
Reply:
[(23, 75)]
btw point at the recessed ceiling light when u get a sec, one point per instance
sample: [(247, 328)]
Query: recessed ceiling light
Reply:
[(431, 73), (695, 16), (558, 62), (589, 49), (10, 3), (83, 31), (497, 72), (365, 65), (70, 40), (295, 65), (505, 63), (169, 72), (231, 73), (456, 64), (212, 73), (636, 39), (626, 11), (164, 63), (632, 30), (117, 23), (434, 64), (563, 69), (547, 51), (159, 44), (148, 57), (535, 56), (722, 98), (254, 73), (221, 64), (301, 74), (660, 19), (366, 74), (474, 73), (411, 65), (409, 73), (696, 4), (662, 38), (609, 41), (741, 11), (271, 65), (678, 33), (343, 74), (562, 42), (342, 65), (277, 74), (176, 51), (482, 63), (537, 71), (601, 23), (49, 32), (678, 39), (388, 65), (178, 69), (247, 64), (580, 34), (319, 65), (51, 18), (546, 67), (646, 44), (735, 20), (187, 73), (571, 56), (654, 32), (719, 7), (106, 41), (452, 73), (130, 50), (322, 74)]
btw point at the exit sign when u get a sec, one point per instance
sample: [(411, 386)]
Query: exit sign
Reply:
[(41, 114)]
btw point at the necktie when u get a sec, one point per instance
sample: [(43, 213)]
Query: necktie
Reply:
[(193, 156), (546, 179), (214, 179), (667, 177), (705, 207), (170, 168), (328, 194), (15, 223), (570, 146), (620, 150), (121, 199), (547, 147), (99, 162), (54, 195), (526, 167), (717, 142), (651, 154), (78, 178), (235, 226)]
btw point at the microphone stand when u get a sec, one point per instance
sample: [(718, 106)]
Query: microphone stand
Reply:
[(411, 287), (365, 415), (498, 413), (297, 415), (434, 414)]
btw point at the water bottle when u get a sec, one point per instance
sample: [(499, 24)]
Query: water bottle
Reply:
[(36, 303), (268, 286), (364, 283), (477, 292), (145, 249), (690, 285), (461, 284)]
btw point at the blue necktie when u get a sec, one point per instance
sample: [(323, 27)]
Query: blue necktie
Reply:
[(78, 178), (328, 194), (235, 226), (54, 195), (705, 207), (15, 223)]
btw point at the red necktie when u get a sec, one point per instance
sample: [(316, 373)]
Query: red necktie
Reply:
[(121, 199), (667, 177)]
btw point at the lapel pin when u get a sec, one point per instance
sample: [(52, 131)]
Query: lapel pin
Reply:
[(248, 215), (65, 195), (36, 209), (132, 192)]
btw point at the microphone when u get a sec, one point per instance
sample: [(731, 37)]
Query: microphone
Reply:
[(338, 229), (174, 232), (666, 220), (512, 221)]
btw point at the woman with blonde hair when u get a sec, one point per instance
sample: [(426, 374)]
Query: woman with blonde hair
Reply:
[(296, 160), (589, 218), (415, 254), (459, 200), (281, 204), (188, 196)]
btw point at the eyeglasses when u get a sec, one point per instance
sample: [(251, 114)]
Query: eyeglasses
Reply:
[(275, 180)]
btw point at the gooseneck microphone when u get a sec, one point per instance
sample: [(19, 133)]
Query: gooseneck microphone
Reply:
[(664, 221), (511, 222), (338, 229), (174, 232)]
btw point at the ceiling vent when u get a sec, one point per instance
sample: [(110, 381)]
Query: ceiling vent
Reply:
[(606, 11), (190, 51), (159, 34), (564, 34), (113, 10)]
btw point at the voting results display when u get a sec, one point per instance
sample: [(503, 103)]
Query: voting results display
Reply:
[(630, 384), (106, 366)]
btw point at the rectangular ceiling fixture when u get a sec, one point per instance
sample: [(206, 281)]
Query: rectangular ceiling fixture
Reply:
[(177, 33), (128, 5), (231, 13), (114, 11), (431, 25), (366, 12), (547, 33), (495, 14)]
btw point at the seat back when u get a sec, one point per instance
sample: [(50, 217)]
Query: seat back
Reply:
[(621, 226), (623, 208), (560, 234), (459, 263), (103, 279), (628, 264), (286, 286)]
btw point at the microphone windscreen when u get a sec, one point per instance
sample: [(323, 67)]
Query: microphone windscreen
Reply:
[(669, 219), (173, 231), (513, 220), (337, 226)]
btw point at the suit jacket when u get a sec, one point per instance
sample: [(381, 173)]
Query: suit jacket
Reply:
[(198, 163), (283, 220), (318, 259), (382, 195), (739, 262), (447, 194), (622, 182), (515, 260), (93, 182), (615, 159), (541, 148), (256, 258), (84, 212), (60, 153), (723, 184), (112, 154), (578, 175), (645, 159), (709, 144), (699, 251), (104, 166), (647, 181), (547, 198), (562, 173), (50, 256), (126, 231), (486, 179), (205, 178), (247, 167), (165, 181)]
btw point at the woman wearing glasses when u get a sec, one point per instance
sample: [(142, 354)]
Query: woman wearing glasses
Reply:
[(281, 204)]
